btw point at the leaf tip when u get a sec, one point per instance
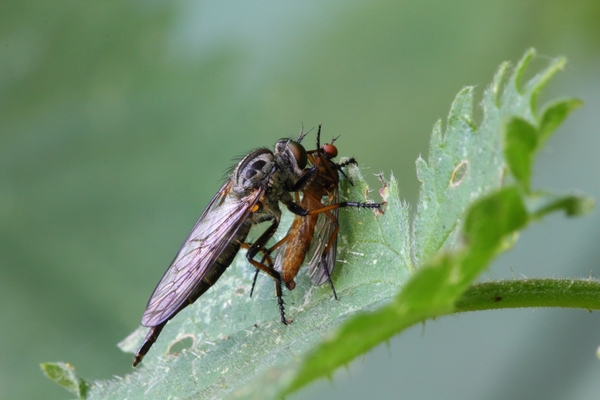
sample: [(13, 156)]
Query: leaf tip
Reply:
[(496, 87), (519, 72), (64, 375)]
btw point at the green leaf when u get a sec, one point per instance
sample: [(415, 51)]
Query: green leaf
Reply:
[(465, 169), (519, 148), (237, 338), (523, 139), (431, 292), (542, 203), (64, 374), (492, 218), (236, 346), (554, 115), (465, 161)]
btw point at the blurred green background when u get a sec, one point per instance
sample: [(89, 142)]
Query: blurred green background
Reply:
[(118, 120)]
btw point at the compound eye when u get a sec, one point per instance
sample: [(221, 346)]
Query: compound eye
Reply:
[(299, 153), (330, 150)]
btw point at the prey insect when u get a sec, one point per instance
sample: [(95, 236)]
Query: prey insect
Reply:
[(313, 236), (250, 196)]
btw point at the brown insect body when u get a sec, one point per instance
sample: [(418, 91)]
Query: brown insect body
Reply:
[(313, 235), (302, 231)]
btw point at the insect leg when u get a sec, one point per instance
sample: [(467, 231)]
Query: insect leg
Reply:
[(308, 175), (254, 281), (341, 205), (344, 164), (266, 257), (258, 246), (298, 210), (247, 246)]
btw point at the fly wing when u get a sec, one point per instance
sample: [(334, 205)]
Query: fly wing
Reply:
[(324, 229), (215, 228), (278, 263)]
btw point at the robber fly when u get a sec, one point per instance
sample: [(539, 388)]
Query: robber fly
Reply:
[(251, 195), (314, 236)]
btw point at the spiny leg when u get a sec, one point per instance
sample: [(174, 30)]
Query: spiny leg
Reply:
[(259, 246), (269, 270), (266, 257)]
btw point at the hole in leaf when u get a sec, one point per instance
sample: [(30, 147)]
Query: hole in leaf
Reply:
[(184, 343), (240, 291), (459, 173)]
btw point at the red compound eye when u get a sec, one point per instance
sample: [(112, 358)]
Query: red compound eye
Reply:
[(330, 150)]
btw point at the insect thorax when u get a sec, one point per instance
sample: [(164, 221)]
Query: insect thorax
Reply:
[(253, 171)]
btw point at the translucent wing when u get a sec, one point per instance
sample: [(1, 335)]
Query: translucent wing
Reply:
[(323, 231), (215, 229)]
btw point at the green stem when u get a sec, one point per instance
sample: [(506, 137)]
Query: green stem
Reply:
[(566, 293)]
